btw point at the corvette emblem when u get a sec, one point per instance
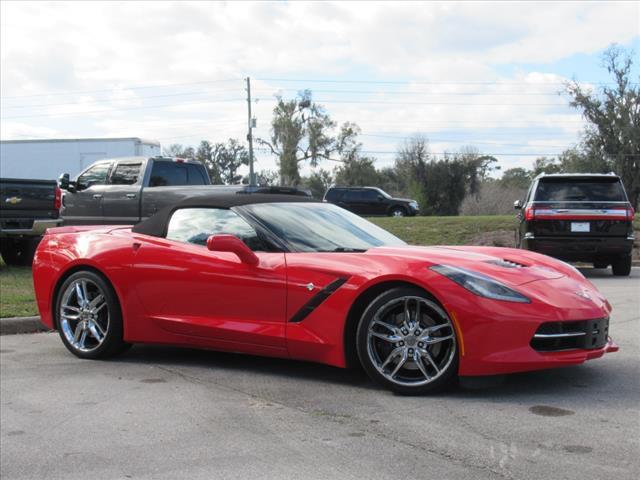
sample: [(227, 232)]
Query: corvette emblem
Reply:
[(310, 286), (583, 294), (12, 200)]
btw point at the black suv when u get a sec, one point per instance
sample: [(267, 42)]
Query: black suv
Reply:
[(578, 217), (370, 201)]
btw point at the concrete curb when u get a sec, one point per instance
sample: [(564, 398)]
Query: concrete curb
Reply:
[(15, 325)]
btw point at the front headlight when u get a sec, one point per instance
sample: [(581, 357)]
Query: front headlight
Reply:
[(414, 205), (480, 284)]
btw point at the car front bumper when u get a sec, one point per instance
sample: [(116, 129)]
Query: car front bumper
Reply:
[(495, 337)]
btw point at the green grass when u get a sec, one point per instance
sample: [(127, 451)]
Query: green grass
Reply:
[(16, 289), (444, 230), (16, 292)]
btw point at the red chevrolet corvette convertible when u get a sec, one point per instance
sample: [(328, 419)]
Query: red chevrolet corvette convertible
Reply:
[(289, 277)]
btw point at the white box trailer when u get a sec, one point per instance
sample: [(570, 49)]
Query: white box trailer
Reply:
[(47, 159)]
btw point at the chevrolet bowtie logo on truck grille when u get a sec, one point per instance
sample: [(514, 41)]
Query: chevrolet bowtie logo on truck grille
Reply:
[(12, 200)]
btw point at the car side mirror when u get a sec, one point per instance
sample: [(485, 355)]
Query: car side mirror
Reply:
[(380, 198), (231, 243), (517, 205), (65, 184), (63, 181)]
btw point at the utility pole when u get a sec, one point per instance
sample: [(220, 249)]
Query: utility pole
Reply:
[(252, 178)]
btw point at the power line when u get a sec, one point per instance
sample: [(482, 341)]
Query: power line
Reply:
[(201, 134), (464, 104), (413, 93), (138, 87), (98, 102), (495, 154), (482, 122), (373, 92), (330, 81), (426, 82), (172, 105), (479, 142)]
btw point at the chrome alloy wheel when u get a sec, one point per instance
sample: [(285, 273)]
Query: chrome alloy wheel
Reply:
[(411, 341), (84, 315)]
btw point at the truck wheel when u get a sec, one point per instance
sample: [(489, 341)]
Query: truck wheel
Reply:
[(11, 251), (18, 252), (622, 266), (10, 254)]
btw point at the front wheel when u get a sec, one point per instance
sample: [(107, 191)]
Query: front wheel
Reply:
[(88, 316), (398, 212), (622, 266), (407, 342)]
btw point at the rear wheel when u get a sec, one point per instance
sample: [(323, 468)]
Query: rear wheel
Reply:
[(622, 266), (88, 316), (18, 252), (407, 342)]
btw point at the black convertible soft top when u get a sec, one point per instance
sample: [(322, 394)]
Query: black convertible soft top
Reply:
[(156, 225)]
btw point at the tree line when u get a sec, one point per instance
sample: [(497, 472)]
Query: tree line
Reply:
[(302, 132)]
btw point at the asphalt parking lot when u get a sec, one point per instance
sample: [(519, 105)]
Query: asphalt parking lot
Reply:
[(168, 413)]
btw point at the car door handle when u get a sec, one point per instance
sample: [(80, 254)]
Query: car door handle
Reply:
[(130, 195), (97, 196)]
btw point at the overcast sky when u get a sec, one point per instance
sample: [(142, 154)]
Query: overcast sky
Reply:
[(477, 73)]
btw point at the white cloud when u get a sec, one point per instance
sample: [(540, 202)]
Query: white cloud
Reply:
[(106, 48)]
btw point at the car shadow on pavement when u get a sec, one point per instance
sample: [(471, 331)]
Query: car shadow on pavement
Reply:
[(583, 381), (244, 363), (579, 380)]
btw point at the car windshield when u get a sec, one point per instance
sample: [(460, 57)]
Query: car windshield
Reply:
[(320, 227), (580, 190)]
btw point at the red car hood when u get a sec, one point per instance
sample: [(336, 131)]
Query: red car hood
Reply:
[(508, 265)]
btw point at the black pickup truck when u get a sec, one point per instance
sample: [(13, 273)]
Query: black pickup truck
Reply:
[(578, 217), (27, 209)]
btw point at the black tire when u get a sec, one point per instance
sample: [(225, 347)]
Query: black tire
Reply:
[(622, 266), (10, 253), (112, 343), (446, 357), (398, 212), (18, 252)]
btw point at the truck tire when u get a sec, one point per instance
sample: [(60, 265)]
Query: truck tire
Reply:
[(18, 252), (9, 252), (621, 266)]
